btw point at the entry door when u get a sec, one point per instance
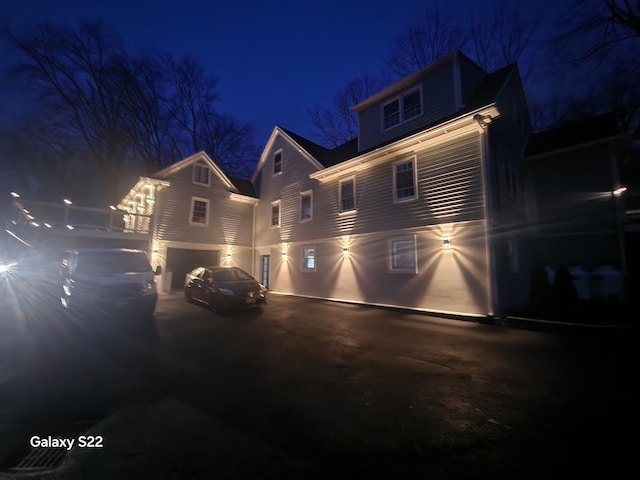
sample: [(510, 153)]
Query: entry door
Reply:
[(264, 270)]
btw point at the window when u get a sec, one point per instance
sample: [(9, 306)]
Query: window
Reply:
[(277, 162), (404, 180), (402, 108), (275, 214), (347, 194), (402, 255), (306, 206), (309, 259), (201, 175), (391, 114), (411, 105), (199, 211)]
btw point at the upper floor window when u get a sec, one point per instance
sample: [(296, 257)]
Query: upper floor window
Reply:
[(201, 175), (199, 211), (404, 180), (306, 205), (277, 162), (275, 214), (402, 108), (347, 194)]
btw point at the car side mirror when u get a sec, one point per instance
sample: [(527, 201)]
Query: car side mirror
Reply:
[(158, 270)]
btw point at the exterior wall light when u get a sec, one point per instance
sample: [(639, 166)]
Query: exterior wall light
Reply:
[(15, 195), (70, 227), (47, 225), (619, 191), (67, 201), (446, 243), (345, 251)]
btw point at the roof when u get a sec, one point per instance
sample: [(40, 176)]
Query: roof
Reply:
[(245, 187), (486, 94), (327, 157), (575, 133), (410, 80)]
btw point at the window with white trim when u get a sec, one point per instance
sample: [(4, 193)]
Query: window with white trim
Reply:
[(308, 259), (402, 108), (199, 212), (306, 206), (201, 175), (347, 194), (405, 184), (277, 162), (275, 214), (403, 255)]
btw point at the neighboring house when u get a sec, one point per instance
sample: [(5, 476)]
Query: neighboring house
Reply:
[(576, 197), (418, 212), (196, 214)]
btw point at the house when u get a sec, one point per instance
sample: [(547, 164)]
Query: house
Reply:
[(418, 212), (196, 215), (576, 188), (423, 210)]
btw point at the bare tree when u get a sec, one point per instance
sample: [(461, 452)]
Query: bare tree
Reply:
[(104, 112), (502, 38), (431, 37), (597, 26), (337, 123), (198, 123)]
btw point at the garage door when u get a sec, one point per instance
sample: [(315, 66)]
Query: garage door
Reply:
[(181, 261)]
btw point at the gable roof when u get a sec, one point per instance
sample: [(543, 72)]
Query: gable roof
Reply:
[(200, 156), (286, 135), (572, 134)]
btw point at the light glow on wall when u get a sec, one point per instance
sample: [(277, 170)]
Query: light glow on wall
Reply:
[(619, 191), (15, 195)]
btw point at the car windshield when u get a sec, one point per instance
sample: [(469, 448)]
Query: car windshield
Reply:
[(231, 275), (112, 262)]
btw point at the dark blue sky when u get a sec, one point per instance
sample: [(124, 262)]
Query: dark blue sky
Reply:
[(273, 59)]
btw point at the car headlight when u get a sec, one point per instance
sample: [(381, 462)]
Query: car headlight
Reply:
[(226, 291), (6, 267), (150, 287)]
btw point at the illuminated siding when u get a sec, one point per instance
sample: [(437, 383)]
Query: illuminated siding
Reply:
[(230, 222), (285, 187), (450, 203), (449, 188)]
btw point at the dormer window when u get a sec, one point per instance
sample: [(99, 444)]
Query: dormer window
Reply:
[(201, 175), (277, 163), (402, 108)]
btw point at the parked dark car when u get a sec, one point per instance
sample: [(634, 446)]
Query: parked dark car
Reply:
[(223, 288), (108, 281)]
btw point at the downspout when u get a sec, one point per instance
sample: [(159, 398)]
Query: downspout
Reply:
[(253, 241), (488, 217)]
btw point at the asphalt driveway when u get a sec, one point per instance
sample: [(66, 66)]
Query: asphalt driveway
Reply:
[(328, 390)]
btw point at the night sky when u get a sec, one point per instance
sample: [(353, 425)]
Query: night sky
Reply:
[(273, 60)]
